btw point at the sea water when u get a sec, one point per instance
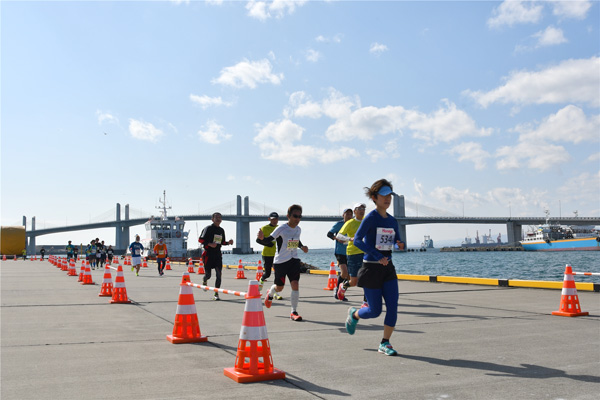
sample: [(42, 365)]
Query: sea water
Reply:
[(527, 265)]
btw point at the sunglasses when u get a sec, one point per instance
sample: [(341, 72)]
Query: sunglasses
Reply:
[(296, 216)]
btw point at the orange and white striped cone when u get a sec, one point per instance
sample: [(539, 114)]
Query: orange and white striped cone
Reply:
[(240, 271), (32, 258), (72, 269), (107, 283), (201, 270), (119, 292), (332, 280), (15, 258), (145, 263), (4, 257), (87, 276), (569, 301), (253, 362), (64, 267), (259, 271), (168, 266), (82, 270), (191, 266), (186, 328), (58, 263)]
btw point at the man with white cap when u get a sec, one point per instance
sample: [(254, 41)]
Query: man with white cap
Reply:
[(340, 250)]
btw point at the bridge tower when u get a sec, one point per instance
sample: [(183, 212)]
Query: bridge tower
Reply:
[(242, 227), (122, 234), (400, 212)]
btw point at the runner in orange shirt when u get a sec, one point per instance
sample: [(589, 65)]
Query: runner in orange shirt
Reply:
[(160, 249)]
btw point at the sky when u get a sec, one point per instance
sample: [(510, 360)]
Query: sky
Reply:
[(474, 108)]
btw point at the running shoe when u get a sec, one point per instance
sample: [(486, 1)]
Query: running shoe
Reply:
[(335, 296), (277, 296), (137, 273), (341, 292), (351, 321), (268, 300), (260, 284), (216, 297), (204, 283), (132, 268), (295, 317), (345, 299), (387, 349)]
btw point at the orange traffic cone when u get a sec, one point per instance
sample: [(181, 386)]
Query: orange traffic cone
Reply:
[(15, 258), (168, 267), (64, 266), (201, 267), (72, 269), (253, 362), (145, 263), (191, 266), (4, 257), (186, 328), (259, 271), (240, 271), (107, 284), (87, 277), (332, 280), (82, 271), (119, 293), (569, 301)]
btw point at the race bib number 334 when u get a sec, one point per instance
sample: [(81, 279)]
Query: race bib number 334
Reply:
[(385, 239)]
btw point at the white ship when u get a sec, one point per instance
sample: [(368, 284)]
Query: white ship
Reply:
[(170, 229)]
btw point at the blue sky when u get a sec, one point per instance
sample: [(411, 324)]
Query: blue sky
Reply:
[(482, 108)]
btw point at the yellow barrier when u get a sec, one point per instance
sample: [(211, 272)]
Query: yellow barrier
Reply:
[(473, 281), (408, 277)]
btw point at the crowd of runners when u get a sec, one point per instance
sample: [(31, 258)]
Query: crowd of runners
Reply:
[(363, 249)]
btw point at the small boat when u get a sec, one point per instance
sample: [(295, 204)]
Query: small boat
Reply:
[(427, 242), (556, 237)]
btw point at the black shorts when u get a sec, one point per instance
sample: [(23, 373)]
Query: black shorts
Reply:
[(290, 268), (342, 259), (372, 275)]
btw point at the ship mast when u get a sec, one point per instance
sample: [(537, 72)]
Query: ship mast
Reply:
[(164, 208)]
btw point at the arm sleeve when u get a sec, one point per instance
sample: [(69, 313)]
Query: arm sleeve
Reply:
[(359, 239), (331, 235)]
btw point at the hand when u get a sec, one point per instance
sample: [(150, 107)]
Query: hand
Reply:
[(304, 249), (400, 244), (384, 261), (230, 241), (260, 235)]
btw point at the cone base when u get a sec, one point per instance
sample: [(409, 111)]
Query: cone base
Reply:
[(88, 283), (178, 340), (104, 295), (242, 377), (238, 277), (568, 314)]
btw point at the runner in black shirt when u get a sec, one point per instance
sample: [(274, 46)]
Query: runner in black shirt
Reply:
[(212, 238)]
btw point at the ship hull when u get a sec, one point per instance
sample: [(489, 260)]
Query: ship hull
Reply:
[(586, 244)]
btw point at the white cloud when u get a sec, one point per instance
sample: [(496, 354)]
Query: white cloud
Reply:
[(512, 12), (263, 10), (550, 36), (144, 130), (537, 155), (205, 101), (571, 9), (248, 74), (276, 141), (569, 124), (106, 117), (388, 152), (418, 186), (180, 1), (571, 81), (334, 39), (352, 121), (593, 158), (471, 151), (378, 48), (213, 133), (312, 55), (583, 188)]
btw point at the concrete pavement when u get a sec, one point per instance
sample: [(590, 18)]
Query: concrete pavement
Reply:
[(61, 341)]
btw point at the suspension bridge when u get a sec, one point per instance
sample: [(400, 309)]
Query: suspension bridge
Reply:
[(243, 212)]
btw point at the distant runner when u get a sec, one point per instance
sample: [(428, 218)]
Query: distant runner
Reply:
[(340, 251), (160, 249), (136, 249), (212, 238)]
